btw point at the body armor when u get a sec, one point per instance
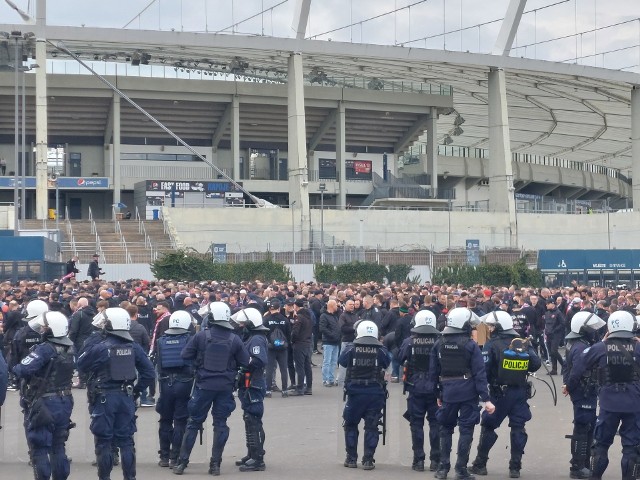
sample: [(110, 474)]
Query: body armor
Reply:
[(454, 360), (169, 351), (364, 368), (620, 367)]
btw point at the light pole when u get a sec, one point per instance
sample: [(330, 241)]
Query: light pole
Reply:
[(293, 233), (449, 223), (16, 36), (322, 187)]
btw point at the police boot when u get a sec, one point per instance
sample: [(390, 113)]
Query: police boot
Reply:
[(417, 445), (445, 454), (255, 442), (247, 434), (180, 467), (368, 463), (599, 461), (214, 468), (629, 463), (418, 464), (464, 448), (579, 456), (488, 438)]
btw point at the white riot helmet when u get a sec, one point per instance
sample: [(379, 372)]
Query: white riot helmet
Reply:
[(424, 322), (54, 326), (218, 313), (501, 321), (585, 324), (250, 318), (622, 324), (366, 333), (179, 322), (460, 319), (35, 308), (117, 322)]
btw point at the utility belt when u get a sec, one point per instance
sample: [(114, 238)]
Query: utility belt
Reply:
[(175, 378), (125, 388), (365, 383), (466, 376), (500, 390), (59, 393)]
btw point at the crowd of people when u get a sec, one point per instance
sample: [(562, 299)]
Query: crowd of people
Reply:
[(190, 345)]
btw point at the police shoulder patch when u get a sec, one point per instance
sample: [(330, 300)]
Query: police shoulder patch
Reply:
[(586, 350), (27, 360), (256, 350)]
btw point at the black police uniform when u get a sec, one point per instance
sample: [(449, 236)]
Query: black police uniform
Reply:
[(507, 367), (457, 367), (47, 373), (175, 377), (415, 355), (217, 353), (583, 392), (617, 359), (365, 360), (112, 364)]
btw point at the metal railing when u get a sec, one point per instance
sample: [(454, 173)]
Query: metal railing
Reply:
[(72, 240), (147, 241)]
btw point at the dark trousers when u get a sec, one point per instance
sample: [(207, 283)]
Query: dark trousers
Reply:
[(419, 406), (553, 343), (172, 407), (606, 428), (302, 361), (277, 358)]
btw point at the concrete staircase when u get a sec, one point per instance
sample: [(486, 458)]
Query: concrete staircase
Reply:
[(117, 242)]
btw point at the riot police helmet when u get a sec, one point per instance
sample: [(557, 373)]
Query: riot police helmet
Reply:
[(585, 323), (366, 333), (251, 319), (501, 321), (424, 322), (179, 323), (53, 326), (217, 313), (35, 308), (460, 320), (622, 324), (117, 323)]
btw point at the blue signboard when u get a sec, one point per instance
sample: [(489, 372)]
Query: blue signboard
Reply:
[(473, 252), (63, 182), (589, 259), (219, 252)]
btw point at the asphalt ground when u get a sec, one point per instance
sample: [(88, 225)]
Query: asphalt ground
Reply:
[(304, 440)]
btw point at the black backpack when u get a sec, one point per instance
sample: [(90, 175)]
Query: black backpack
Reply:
[(277, 339)]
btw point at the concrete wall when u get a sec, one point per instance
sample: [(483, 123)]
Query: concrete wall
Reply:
[(258, 229)]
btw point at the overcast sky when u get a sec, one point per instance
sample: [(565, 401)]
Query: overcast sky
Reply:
[(421, 25)]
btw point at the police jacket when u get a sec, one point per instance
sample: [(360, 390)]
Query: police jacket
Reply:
[(346, 322), (169, 355), (365, 364), (256, 345), (505, 366), (329, 328), (415, 354), (24, 339), (302, 329), (57, 375), (217, 353), (585, 387), (457, 366), (619, 379), (4, 380), (109, 363)]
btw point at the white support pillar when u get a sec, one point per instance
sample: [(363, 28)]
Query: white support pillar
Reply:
[(42, 139), (635, 147), (501, 191), (432, 149), (297, 146), (117, 182), (509, 27), (235, 137), (300, 18), (341, 155)]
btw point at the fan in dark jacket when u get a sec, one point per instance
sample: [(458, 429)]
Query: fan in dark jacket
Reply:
[(346, 322), (80, 328), (301, 334), (331, 335)]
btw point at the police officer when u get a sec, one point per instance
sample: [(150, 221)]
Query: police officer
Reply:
[(457, 368), (175, 376), (48, 372), (422, 401), (616, 357), (218, 353), (583, 391), (24, 339), (508, 360), (252, 387), (365, 360), (112, 364)]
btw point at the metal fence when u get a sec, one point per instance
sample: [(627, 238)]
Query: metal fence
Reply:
[(346, 254)]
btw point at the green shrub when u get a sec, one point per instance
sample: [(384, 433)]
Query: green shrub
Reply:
[(488, 274)]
